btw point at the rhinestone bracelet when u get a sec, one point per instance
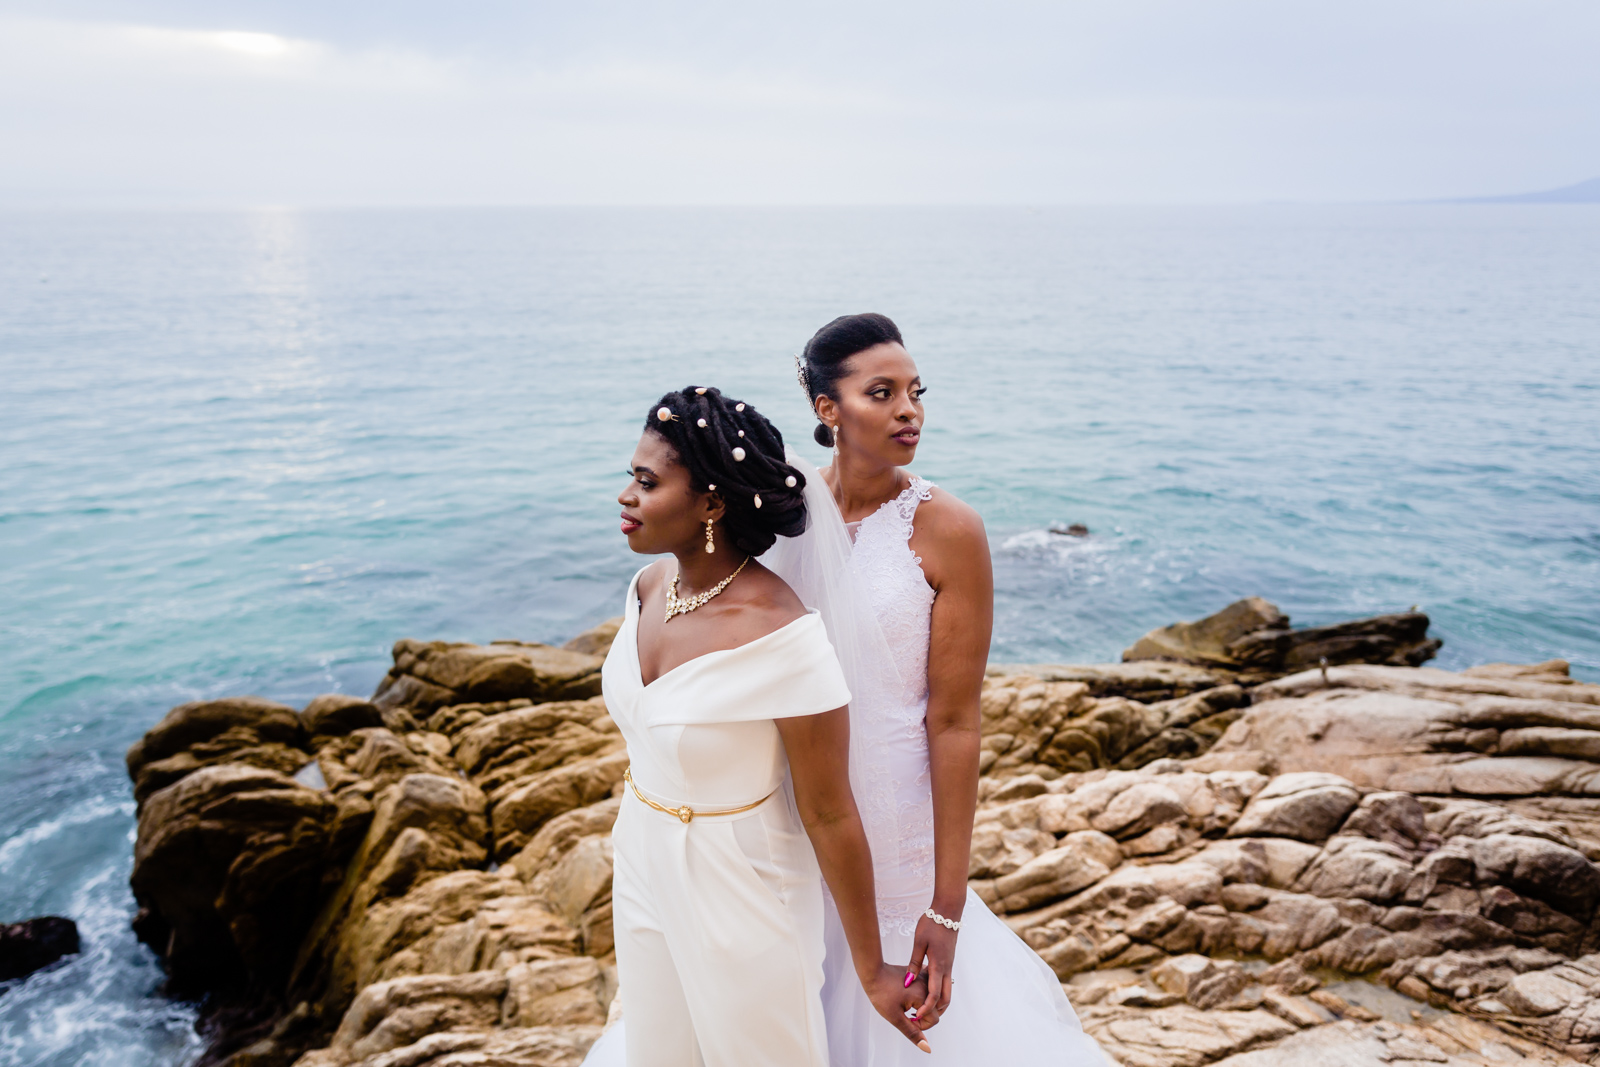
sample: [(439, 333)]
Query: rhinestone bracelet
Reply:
[(948, 924)]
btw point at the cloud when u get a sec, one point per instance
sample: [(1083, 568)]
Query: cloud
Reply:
[(1150, 100)]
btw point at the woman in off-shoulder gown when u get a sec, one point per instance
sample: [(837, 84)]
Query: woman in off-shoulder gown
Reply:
[(914, 724), (732, 703)]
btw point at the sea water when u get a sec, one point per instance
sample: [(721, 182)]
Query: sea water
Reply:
[(243, 453)]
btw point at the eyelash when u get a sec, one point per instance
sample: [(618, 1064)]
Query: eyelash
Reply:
[(922, 392), (645, 482)]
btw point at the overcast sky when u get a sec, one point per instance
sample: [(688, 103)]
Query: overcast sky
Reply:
[(317, 102)]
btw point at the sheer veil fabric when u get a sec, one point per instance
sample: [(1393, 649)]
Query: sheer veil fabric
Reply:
[(1008, 1006)]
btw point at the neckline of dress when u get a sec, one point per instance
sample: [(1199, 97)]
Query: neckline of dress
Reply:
[(912, 488), (634, 607)]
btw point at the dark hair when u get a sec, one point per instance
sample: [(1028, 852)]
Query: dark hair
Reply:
[(823, 362), (708, 453)]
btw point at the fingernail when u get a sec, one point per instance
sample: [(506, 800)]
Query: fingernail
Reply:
[(924, 1046), (911, 976)]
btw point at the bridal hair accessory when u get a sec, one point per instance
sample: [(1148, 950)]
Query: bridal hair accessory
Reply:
[(677, 606), (790, 482), (738, 455), (700, 423), (664, 414), (800, 373), (701, 391), (738, 407), (710, 544), (758, 500), (948, 924)]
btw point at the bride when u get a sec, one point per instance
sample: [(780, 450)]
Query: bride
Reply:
[(900, 573), (732, 704)]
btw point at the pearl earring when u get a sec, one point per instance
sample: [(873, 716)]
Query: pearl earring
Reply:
[(711, 545)]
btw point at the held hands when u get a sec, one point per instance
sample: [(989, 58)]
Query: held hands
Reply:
[(893, 997), (932, 954)]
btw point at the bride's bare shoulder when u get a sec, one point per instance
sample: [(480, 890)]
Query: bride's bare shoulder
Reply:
[(946, 519), (768, 601)]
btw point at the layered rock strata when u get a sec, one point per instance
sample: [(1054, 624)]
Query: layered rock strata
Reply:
[(1366, 864)]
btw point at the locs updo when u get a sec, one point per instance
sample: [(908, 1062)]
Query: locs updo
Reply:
[(704, 427), (822, 363)]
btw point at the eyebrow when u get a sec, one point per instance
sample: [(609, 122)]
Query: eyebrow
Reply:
[(641, 467), (884, 379)]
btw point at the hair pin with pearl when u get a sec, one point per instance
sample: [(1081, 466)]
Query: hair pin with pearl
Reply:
[(701, 391), (758, 500), (664, 414), (738, 455), (700, 423), (738, 407), (789, 481)]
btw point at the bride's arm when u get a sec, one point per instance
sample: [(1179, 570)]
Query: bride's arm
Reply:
[(955, 553), (818, 747)]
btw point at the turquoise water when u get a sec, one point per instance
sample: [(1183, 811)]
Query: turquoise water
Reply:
[(246, 452)]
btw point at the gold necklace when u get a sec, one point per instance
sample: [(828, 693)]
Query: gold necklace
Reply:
[(676, 606)]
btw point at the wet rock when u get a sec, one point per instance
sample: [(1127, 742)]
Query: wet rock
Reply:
[(34, 944)]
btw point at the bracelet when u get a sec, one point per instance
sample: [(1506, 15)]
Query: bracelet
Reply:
[(949, 924)]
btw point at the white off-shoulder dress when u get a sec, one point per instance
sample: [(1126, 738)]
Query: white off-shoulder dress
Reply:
[(719, 920)]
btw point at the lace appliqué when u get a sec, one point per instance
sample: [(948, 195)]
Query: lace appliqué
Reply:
[(894, 787)]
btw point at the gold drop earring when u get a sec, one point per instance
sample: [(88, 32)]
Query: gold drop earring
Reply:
[(711, 546)]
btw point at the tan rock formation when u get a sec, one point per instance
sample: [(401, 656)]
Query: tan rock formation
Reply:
[(1368, 865)]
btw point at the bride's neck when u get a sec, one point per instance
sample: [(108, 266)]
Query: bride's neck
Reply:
[(861, 486)]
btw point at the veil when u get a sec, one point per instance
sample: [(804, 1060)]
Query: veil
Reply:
[(816, 564)]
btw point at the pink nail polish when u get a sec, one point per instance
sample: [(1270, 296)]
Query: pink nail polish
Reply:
[(911, 976)]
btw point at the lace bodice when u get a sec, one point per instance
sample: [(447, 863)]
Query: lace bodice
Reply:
[(893, 783)]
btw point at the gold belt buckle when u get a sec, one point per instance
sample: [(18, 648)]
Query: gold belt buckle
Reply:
[(685, 813)]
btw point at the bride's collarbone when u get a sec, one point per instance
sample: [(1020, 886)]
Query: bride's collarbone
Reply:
[(717, 626)]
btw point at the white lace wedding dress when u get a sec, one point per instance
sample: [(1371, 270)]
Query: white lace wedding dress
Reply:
[(1007, 1005)]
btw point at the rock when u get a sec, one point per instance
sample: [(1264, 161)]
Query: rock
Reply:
[(1082, 859), (1544, 870), (387, 1015), (522, 807), (1200, 980), (428, 675), (1143, 826), (1209, 641), (34, 944), (1557, 671), (1144, 681), (1180, 1036), (1253, 635), (1306, 806), (227, 866), (337, 714), (596, 641), (240, 730)]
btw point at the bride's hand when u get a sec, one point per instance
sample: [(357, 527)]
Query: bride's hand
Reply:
[(892, 997), (934, 945)]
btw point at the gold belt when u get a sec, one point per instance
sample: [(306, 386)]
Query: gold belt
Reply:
[(686, 814)]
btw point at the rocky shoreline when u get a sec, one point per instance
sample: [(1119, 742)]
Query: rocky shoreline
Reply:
[(1244, 845)]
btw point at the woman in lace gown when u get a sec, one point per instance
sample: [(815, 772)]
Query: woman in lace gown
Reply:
[(900, 571), (732, 703)]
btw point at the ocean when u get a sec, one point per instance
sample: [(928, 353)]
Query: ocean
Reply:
[(245, 452)]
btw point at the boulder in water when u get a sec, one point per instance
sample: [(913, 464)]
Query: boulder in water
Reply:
[(27, 946)]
